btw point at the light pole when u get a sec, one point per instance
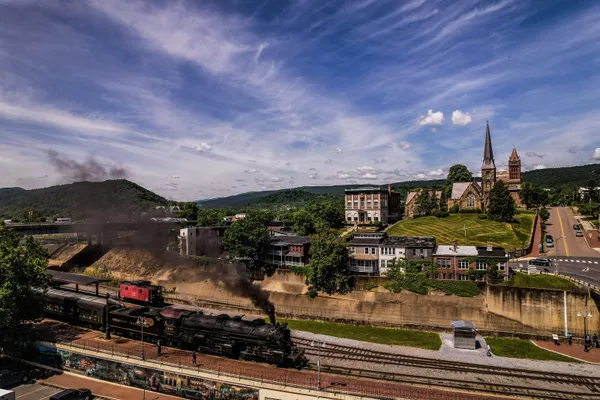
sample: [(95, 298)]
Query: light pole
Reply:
[(142, 322), (107, 336), (318, 345), (585, 314)]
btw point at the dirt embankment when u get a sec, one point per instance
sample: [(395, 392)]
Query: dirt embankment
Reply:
[(61, 253)]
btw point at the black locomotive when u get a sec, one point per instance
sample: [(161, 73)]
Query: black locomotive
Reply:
[(187, 329)]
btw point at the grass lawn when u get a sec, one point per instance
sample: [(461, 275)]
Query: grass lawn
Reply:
[(540, 282), (480, 232), (519, 348), (402, 337)]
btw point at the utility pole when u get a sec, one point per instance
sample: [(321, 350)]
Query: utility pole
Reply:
[(319, 345), (142, 322)]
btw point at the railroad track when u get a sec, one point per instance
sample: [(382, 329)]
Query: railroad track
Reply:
[(479, 372)]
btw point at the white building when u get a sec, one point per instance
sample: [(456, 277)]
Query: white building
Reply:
[(389, 250), (201, 241)]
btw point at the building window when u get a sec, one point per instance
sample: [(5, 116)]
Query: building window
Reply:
[(369, 203), (470, 200), (369, 218), (373, 250), (349, 218), (414, 252), (366, 250), (482, 265), (376, 203), (394, 250), (463, 278), (353, 250), (463, 264), (501, 266), (349, 204), (355, 218), (444, 262), (362, 204)]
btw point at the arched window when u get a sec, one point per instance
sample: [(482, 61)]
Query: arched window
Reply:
[(470, 200)]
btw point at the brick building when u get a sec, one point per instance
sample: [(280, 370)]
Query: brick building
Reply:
[(454, 261), (369, 205), (411, 207), (288, 251)]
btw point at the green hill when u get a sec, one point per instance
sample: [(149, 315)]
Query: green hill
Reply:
[(79, 200), (548, 178)]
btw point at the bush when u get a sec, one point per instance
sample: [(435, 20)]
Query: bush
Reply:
[(458, 288), (312, 292), (470, 211), (368, 285), (441, 214), (455, 209), (300, 270), (415, 283), (482, 216)]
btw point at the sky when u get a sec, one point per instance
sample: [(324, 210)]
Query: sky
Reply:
[(206, 99)]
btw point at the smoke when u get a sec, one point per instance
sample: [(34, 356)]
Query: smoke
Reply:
[(88, 170), (243, 286)]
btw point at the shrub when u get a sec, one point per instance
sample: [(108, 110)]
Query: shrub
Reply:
[(458, 288), (300, 270), (368, 285), (415, 283), (312, 292), (482, 216), (470, 211), (455, 209), (441, 214)]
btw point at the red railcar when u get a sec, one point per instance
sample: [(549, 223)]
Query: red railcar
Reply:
[(142, 292)]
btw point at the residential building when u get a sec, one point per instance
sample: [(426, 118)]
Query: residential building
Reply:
[(364, 252), (172, 210), (392, 248), (418, 248), (369, 205), (411, 207), (288, 251), (202, 241), (455, 262)]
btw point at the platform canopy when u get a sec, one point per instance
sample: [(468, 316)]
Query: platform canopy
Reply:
[(67, 277)]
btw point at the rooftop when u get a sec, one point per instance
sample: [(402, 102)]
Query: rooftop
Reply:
[(365, 242), (67, 277), (287, 240), (448, 250), (365, 189), (463, 324), (482, 251), (410, 241)]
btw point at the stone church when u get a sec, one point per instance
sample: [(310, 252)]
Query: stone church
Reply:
[(475, 195)]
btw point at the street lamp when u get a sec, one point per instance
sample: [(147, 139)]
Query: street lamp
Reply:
[(585, 314), (142, 322), (319, 345)]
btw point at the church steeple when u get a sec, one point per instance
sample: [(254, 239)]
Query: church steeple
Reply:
[(488, 152)]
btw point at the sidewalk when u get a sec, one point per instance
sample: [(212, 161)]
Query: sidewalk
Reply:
[(537, 240), (575, 351), (68, 380)]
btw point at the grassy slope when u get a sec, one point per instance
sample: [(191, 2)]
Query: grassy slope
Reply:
[(480, 232), (519, 348), (402, 337), (540, 282)]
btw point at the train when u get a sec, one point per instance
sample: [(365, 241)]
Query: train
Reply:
[(222, 335)]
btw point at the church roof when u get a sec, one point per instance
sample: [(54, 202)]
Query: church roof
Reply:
[(488, 152), (459, 188), (410, 196), (514, 156)]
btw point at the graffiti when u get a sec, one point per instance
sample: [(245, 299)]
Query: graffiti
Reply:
[(145, 378)]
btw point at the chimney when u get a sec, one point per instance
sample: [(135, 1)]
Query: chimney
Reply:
[(389, 188)]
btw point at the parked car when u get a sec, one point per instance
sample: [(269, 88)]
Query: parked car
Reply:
[(576, 227), (549, 241), (545, 262), (579, 233), (73, 394), (10, 378)]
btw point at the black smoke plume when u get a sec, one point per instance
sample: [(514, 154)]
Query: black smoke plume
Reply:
[(89, 170)]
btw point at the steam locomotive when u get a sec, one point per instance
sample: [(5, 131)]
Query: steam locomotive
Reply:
[(177, 327)]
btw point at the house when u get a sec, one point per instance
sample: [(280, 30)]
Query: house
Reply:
[(364, 252), (455, 262), (411, 206), (390, 249), (288, 251), (465, 196), (202, 241), (369, 205), (172, 210)]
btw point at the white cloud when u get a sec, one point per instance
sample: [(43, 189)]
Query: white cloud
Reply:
[(276, 179), (338, 150), (437, 172), (368, 176), (461, 118), (365, 168), (404, 145), (596, 155), (202, 147), (432, 118), (313, 176), (540, 166), (421, 176), (251, 171), (175, 177)]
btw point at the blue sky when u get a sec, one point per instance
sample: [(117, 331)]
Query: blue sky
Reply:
[(204, 99)]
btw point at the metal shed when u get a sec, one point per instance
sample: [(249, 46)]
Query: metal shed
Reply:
[(464, 335)]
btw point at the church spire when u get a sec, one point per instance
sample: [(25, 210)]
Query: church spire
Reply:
[(488, 153), (514, 156)]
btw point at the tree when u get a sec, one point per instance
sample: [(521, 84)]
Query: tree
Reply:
[(457, 173), (319, 215), (188, 211), (544, 215), (590, 209), (247, 240), (501, 206), (533, 196), (427, 202), (329, 263), (591, 194), (23, 279)]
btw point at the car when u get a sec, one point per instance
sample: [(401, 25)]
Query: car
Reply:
[(545, 262), (579, 233), (576, 227), (549, 238), (549, 243), (10, 378), (73, 394)]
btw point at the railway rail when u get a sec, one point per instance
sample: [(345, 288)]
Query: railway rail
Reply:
[(591, 385)]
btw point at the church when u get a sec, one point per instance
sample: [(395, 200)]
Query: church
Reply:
[(475, 195)]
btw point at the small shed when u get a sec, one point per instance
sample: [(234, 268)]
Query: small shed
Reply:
[(464, 335)]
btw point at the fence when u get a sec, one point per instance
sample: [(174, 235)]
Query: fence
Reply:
[(230, 371)]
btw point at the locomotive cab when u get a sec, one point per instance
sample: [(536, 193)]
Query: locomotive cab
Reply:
[(142, 292)]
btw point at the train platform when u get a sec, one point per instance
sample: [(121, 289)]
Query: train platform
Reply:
[(93, 343), (574, 351)]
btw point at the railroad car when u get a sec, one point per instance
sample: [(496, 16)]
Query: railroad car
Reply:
[(76, 307), (142, 292), (125, 321)]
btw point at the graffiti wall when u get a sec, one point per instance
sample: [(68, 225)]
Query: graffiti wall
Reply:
[(147, 378)]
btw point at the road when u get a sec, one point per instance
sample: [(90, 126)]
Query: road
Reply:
[(561, 224)]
